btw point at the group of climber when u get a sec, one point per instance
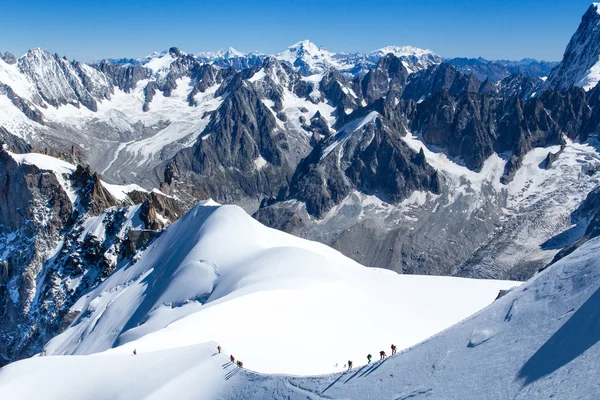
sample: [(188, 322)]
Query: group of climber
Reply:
[(382, 356), (232, 358)]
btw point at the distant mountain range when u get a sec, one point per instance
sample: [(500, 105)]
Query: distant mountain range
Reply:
[(308, 58)]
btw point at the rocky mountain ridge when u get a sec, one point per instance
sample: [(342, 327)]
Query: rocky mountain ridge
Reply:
[(62, 231)]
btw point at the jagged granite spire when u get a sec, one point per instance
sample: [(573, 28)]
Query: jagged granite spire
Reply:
[(581, 62)]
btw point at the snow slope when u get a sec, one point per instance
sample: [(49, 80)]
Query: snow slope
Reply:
[(580, 65), (219, 275), (539, 341)]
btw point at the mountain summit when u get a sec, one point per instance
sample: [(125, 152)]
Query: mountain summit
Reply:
[(581, 62)]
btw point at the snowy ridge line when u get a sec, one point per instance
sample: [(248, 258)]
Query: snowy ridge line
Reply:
[(516, 331), (207, 281), (63, 170)]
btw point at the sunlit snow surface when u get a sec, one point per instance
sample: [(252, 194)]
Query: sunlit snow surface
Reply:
[(279, 303), (539, 341)]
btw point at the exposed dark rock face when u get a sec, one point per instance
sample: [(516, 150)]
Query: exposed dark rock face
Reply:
[(242, 130), (149, 92), (519, 86), (320, 129), (9, 58), (437, 78), (25, 106), (453, 114), (13, 143), (366, 155), (495, 71), (158, 209), (93, 196), (581, 55), (125, 77), (473, 126), (54, 248), (33, 210), (60, 82), (387, 79), (335, 87), (204, 76)]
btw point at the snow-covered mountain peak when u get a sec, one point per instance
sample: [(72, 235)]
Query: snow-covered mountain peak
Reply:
[(231, 53), (581, 62), (226, 54), (413, 58), (306, 51), (305, 48), (400, 51), (160, 62)]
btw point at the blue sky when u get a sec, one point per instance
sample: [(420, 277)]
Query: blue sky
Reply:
[(90, 29)]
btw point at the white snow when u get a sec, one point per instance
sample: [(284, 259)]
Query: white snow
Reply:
[(318, 59), (119, 192), (48, 163), (400, 51), (581, 62), (159, 63), (540, 340), (491, 172), (260, 74), (219, 275), (345, 132), (260, 163), (44, 162)]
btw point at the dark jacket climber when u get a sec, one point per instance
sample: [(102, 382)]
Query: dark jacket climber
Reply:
[(232, 358), (219, 349), (393, 349), (382, 355), (369, 359), (349, 365)]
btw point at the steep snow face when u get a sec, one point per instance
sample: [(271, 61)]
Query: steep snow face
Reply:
[(347, 130), (539, 341), (581, 62), (309, 58), (279, 303)]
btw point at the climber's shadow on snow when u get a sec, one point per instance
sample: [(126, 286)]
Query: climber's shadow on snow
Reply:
[(578, 334), (232, 373)]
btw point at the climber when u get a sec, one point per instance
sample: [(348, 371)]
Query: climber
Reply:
[(232, 358), (134, 352), (369, 359), (219, 349), (382, 355), (349, 365), (393, 349)]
